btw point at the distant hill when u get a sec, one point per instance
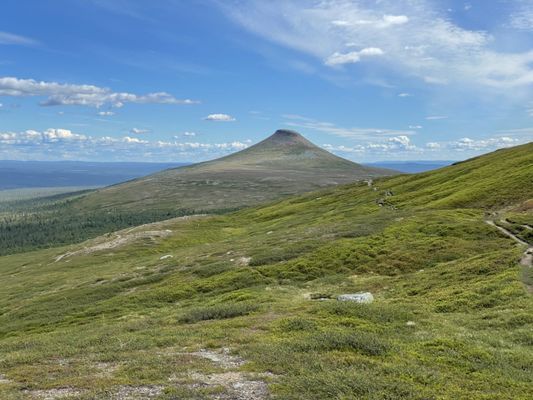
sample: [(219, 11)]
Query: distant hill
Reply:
[(39, 174), (285, 163), (410, 167)]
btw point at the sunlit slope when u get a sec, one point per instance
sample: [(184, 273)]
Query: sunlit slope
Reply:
[(133, 310), (492, 180), (285, 163)]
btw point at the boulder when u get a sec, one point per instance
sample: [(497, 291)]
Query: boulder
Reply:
[(357, 297)]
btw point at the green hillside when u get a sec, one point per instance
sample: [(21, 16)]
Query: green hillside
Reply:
[(243, 305)]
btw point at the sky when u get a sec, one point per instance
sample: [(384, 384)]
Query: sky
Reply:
[(191, 80)]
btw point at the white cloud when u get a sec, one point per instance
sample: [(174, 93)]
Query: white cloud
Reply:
[(189, 133), (219, 118), (415, 126), (138, 131), (393, 145), (401, 147), (128, 139), (465, 144), (298, 121), (384, 22), (435, 117), (81, 95), (12, 39), (389, 20), (401, 142), (418, 39), (53, 143), (405, 95), (352, 57), (106, 113), (522, 18), (37, 137)]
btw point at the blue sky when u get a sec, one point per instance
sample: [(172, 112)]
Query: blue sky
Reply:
[(189, 80)]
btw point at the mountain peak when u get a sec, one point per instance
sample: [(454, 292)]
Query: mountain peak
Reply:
[(286, 137), (286, 133)]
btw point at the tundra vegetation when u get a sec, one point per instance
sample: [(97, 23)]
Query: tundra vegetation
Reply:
[(452, 316)]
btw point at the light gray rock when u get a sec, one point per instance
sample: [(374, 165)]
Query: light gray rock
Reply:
[(357, 297)]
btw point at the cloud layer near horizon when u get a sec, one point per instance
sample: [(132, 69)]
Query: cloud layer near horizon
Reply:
[(53, 144)]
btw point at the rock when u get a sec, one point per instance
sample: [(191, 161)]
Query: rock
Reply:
[(357, 297), (166, 257), (244, 261), (410, 323)]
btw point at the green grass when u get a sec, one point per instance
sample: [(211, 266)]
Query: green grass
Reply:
[(219, 311), (451, 318)]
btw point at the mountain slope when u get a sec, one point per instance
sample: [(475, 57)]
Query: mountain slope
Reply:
[(222, 306), (285, 163)]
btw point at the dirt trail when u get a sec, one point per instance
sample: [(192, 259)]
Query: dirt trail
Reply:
[(507, 233), (527, 258)]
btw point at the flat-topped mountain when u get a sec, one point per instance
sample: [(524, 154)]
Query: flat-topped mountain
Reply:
[(283, 164)]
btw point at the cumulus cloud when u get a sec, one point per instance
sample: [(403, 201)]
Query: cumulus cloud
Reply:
[(54, 143), (128, 139), (12, 39), (393, 145), (466, 143), (402, 146), (38, 137), (189, 133), (81, 95), (138, 131), (106, 113), (352, 57), (219, 118), (417, 38)]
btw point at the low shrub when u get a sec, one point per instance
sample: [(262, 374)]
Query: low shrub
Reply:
[(219, 311)]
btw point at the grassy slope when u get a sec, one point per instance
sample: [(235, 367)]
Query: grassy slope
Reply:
[(427, 256)]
